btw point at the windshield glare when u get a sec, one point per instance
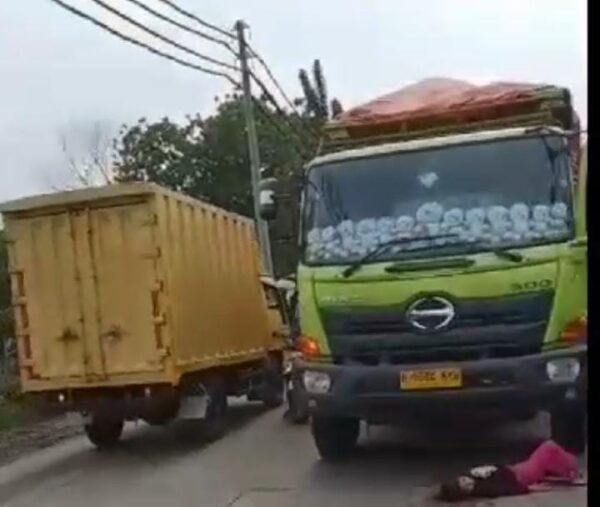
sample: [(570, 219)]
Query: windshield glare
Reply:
[(507, 193)]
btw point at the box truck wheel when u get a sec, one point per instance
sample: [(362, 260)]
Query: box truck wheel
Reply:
[(272, 394), (297, 399), (334, 437), (214, 423), (569, 427), (104, 431)]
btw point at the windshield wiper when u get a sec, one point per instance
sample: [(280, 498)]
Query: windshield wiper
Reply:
[(507, 254), (381, 248), (502, 253)]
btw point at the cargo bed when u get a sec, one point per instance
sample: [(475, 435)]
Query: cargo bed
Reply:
[(131, 284)]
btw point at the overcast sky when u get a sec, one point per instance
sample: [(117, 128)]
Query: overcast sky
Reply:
[(61, 74)]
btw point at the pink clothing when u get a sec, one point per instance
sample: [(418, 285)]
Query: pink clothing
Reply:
[(549, 459)]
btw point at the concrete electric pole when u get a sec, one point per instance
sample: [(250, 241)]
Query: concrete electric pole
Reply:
[(261, 226)]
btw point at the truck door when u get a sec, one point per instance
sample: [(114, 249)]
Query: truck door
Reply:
[(46, 262), (86, 293), (127, 289)]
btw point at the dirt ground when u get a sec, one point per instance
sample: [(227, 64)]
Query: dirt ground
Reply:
[(36, 432)]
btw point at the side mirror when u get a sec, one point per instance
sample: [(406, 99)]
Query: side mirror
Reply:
[(267, 198)]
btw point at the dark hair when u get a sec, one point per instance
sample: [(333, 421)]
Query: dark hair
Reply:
[(451, 492)]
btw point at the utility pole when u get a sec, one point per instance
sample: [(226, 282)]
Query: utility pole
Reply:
[(261, 226)]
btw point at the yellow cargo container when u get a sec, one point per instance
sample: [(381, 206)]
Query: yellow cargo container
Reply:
[(133, 288)]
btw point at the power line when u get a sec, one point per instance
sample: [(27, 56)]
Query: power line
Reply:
[(272, 77), (253, 52), (267, 94), (301, 148), (263, 87), (190, 15), (186, 28), (154, 33), (147, 47)]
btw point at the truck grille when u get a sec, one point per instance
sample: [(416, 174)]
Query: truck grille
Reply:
[(483, 328)]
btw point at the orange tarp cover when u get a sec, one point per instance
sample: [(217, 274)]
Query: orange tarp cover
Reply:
[(438, 97)]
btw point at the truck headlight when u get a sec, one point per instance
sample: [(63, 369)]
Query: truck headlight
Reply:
[(316, 382), (563, 370)]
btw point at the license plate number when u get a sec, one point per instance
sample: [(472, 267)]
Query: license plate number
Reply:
[(440, 378)]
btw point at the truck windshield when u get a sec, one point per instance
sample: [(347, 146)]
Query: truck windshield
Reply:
[(507, 193)]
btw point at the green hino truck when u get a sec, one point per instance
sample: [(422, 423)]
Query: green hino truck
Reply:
[(444, 265)]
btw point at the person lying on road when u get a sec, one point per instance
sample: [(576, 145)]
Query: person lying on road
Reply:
[(548, 464)]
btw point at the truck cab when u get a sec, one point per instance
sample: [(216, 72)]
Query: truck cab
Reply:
[(445, 275)]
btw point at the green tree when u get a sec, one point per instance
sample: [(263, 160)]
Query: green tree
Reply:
[(315, 100), (208, 159)]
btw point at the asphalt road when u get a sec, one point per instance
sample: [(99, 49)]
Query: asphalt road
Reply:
[(262, 461)]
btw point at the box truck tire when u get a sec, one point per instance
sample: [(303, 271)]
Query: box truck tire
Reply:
[(214, 423), (569, 428), (297, 401), (334, 437), (273, 383), (103, 431)]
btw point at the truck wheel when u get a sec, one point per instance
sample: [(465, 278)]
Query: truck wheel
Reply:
[(334, 437), (272, 394), (297, 412), (569, 428), (104, 432), (214, 423)]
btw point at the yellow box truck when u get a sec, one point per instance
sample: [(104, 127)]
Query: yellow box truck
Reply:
[(132, 301)]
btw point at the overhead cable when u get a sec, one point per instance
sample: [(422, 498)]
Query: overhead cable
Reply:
[(147, 47), (163, 38), (190, 15), (184, 27)]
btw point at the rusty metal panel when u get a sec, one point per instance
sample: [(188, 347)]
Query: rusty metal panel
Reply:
[(127, 317)]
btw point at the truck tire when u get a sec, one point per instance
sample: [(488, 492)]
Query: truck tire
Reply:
[(272, 392), (297, 412), (334, 437), (214, 423), (569, 428), (104, 432)]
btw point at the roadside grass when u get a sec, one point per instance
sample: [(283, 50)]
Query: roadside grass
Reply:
[(15, 409), (14, 413)]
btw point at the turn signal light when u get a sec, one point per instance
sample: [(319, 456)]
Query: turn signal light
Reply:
[(575, 331), (309, 347)]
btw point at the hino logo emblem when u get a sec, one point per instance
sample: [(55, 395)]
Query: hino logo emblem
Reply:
[(431, 313)]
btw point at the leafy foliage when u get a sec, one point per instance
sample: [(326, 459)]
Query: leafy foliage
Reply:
[(207, 158), (315, 101)]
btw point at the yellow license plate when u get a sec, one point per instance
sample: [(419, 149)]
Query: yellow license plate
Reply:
[(440, 378)]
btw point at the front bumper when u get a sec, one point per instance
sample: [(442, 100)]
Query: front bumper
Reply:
[(508, 385)]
